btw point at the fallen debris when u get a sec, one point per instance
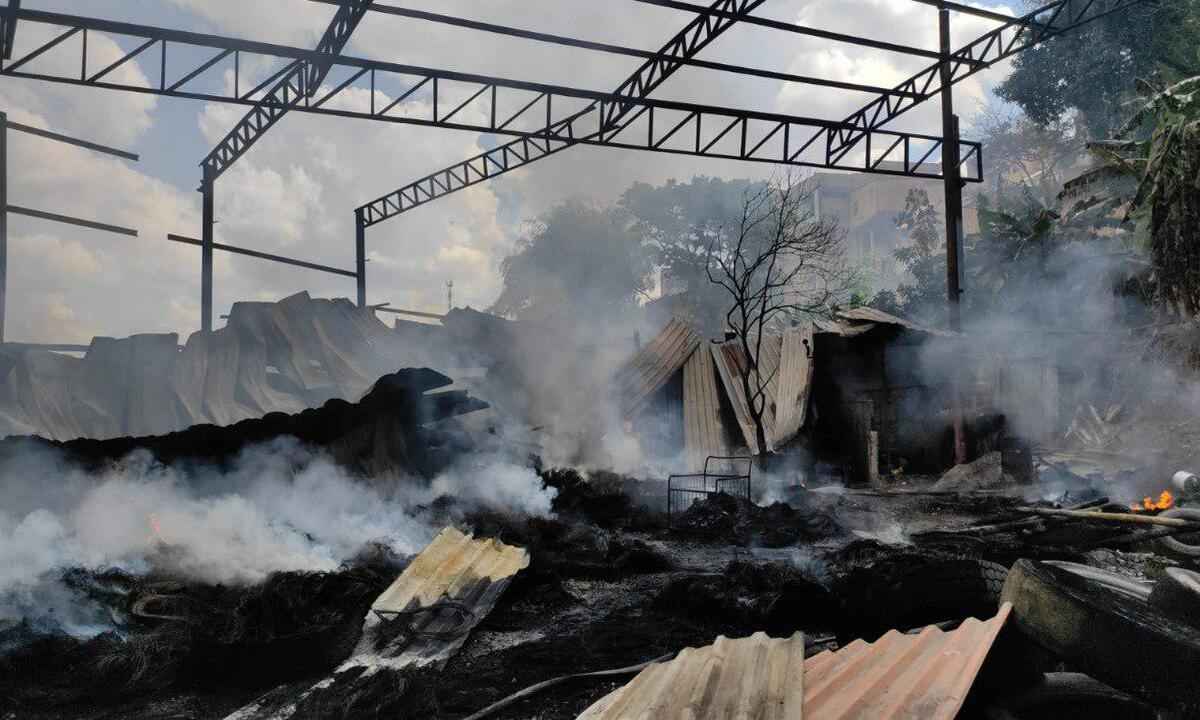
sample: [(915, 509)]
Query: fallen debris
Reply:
[(1108, 517), (387, 431), (985, 473), (420, 621), (1118, 639)]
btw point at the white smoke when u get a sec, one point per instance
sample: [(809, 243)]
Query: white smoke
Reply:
[(278, 507)]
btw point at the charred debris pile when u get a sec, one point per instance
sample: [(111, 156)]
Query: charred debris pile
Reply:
[(1038, 606), (397, 427), (852, 578)]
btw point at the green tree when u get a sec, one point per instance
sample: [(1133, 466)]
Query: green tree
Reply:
[(1166, 202), (575, 261), (924, 257), (680, 223), (1093, 69), (1025, 157)]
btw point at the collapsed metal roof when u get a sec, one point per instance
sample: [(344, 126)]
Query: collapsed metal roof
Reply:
[(795, 383), (703, 431), (654, 364), (709, 370), (731, 363), (864, 314)]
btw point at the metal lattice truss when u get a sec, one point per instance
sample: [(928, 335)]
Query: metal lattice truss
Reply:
[(543, 119), (301, 81), (546, 117), (1003, 42), (716, 135), (856, 139)]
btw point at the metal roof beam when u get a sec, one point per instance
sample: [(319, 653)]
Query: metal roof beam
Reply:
[(686, 44), (263, 256), (302, 81), (1015, 35), (613, 49), (802, 30), (97, 147), (67, 219)]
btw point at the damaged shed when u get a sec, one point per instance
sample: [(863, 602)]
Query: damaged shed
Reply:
[(837, 388)]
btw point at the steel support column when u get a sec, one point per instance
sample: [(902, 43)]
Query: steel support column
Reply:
[(206, 252), (953, 187), (360, 256), (3, 220)]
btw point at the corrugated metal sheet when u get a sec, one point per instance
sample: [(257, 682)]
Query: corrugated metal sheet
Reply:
[(926, 675), (654, 365), (731, 362), (843, 329), (703, 432), (898, 677), (754, 678), (795, 382), (454, 567), (872, 315)]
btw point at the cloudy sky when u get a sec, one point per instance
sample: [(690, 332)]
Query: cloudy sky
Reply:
[(295, 192)]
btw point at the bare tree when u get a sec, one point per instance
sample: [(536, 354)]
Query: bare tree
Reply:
[(777, 263)]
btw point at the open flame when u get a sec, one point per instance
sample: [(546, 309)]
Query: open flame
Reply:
[(155, 529), (1165, 501)]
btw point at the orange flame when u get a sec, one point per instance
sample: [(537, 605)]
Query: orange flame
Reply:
[(1165, 501), (155, 528)]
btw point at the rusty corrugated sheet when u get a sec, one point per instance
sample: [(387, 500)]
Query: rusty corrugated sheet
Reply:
[(653, 365), (926, 675), (703, 433), (897, 677), (730, 362), (754, 678), (795, 382)]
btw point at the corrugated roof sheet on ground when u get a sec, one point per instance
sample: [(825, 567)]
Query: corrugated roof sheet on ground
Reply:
[(454, 567), (654, 364), (754, 678), (897, 677), (927, 675)]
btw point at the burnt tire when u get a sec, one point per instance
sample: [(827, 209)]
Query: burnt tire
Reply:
[(1177, 595), (1064, 694), (1181, 545), (1118, 639), (1111, 580)]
